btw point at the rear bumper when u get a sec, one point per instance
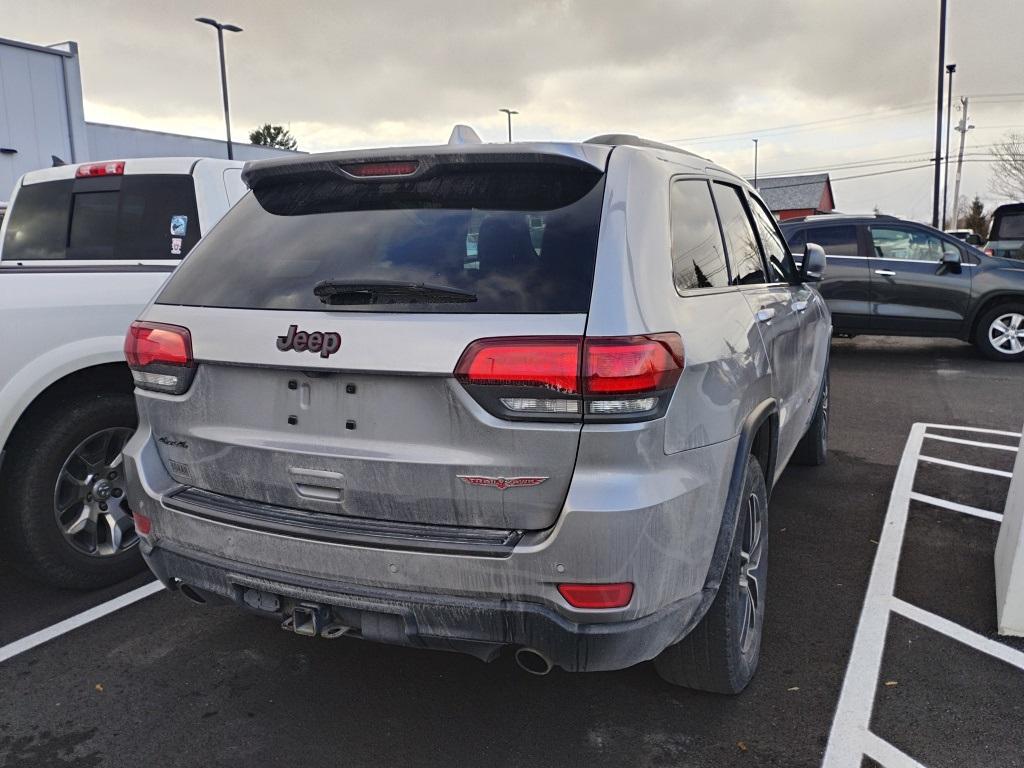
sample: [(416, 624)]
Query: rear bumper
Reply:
[(479, 627)]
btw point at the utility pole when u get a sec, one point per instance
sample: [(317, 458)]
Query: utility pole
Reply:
[(963, 128), (509, 112), (755, 163), (950, 68), (938, 114)]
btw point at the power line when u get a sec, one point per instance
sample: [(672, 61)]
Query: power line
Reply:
[(867, 175)]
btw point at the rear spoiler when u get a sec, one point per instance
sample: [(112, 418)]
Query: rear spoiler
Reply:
[(429, 161)]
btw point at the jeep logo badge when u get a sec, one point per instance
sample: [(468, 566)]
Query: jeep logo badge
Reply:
[(317, 341)]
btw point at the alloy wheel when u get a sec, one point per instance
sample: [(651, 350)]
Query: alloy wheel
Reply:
[(1007, 333), (89, 496), (752, 571)]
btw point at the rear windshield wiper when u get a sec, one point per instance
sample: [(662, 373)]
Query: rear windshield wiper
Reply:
[(348, 292)]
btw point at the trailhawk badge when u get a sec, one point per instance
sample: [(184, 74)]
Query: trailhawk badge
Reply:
[(501, 483)]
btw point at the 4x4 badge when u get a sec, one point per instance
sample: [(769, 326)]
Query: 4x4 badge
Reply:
[(501, 483), (326, 343)]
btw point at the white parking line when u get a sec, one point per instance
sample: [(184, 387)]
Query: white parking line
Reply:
[(63, 627), (976, 443), (955, 507), (973, 429), (969, 467), (884, 753)]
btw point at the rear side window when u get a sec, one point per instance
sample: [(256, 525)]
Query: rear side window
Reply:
[(136, 217), (38, 226), (744, 254), (477, 240), (698, 254), (835, 241)]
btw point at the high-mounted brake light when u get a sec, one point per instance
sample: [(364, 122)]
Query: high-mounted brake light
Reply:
[(371, 170), (110, 168), (160, 356), (560, 377), (597, 595)]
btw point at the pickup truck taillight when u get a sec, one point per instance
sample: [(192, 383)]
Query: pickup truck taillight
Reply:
[(566, 378), (160, 356)]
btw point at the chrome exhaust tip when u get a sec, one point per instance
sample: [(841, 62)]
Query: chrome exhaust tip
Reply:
[(533, 661)]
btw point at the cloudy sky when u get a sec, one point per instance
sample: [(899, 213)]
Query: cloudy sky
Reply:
[(847, 87)]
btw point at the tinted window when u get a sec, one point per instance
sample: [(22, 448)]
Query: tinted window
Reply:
[(38, 228), (464, 231), (1008, 226), (796, 240), (780, 262), (839, 240), (130, 217), (698, 255), (741, 243), (906, 244)]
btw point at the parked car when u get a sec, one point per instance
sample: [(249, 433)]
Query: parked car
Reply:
[(894, 277), (969, 236), (82, 249), (1006, 236), (352, 423)]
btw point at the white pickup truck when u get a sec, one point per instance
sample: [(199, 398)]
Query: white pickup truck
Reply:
[(82, 250)]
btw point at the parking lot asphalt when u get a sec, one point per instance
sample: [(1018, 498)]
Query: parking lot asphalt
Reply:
[(163, 682)]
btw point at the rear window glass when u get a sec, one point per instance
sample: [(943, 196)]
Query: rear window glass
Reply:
[(499, 240), (1009, 226), (113, 218)]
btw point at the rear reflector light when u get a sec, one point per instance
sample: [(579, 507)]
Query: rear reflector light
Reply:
[(550, 362), (597, 595), (143, 525), (112, 168), (371, 170), (160, 356)]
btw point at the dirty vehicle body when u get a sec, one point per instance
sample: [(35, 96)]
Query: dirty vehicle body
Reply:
[(484, 396)]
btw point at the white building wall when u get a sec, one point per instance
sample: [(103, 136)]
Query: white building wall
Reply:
[(114, 142)]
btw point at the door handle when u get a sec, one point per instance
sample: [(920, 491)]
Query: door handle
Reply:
[(765, 314), (885, 272), (799, 306)]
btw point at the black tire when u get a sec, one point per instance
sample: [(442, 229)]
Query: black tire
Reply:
[(721, 654), (983, 335), (32, 538), (812, 450)]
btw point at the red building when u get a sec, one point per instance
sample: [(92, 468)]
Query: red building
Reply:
[(791, 196)]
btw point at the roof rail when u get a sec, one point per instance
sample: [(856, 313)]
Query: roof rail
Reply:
[(629, 140)]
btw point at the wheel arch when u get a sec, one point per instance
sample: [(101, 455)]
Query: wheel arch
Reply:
[(987, 303)]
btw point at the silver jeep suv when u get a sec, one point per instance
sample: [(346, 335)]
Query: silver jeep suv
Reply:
[(473, 396)]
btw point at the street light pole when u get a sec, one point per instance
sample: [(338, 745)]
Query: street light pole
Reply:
[(950, 68), (938, 114), (963, 128), (755, 163), (223, 72), (509, 112)]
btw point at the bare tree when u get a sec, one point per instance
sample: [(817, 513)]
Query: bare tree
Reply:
[(1008, 170)]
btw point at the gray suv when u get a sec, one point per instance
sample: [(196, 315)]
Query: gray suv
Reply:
[(475, 397)]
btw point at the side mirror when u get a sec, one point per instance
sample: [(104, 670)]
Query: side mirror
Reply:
[(951, 258), (813, 267)]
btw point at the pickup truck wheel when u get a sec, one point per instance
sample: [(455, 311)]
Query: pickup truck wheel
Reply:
[(721, 653), (1000, 334), (812, 450), (62, 497)]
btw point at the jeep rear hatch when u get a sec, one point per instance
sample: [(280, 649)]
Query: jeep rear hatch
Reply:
[(328, 312)]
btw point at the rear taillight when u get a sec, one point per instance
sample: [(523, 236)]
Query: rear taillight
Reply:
[(160, 356), (597, 595), (989, 252), (111, 168), (560, 378)]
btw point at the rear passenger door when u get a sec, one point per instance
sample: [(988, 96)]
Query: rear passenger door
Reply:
[(771, 303), (912, 291), (846, 287)]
